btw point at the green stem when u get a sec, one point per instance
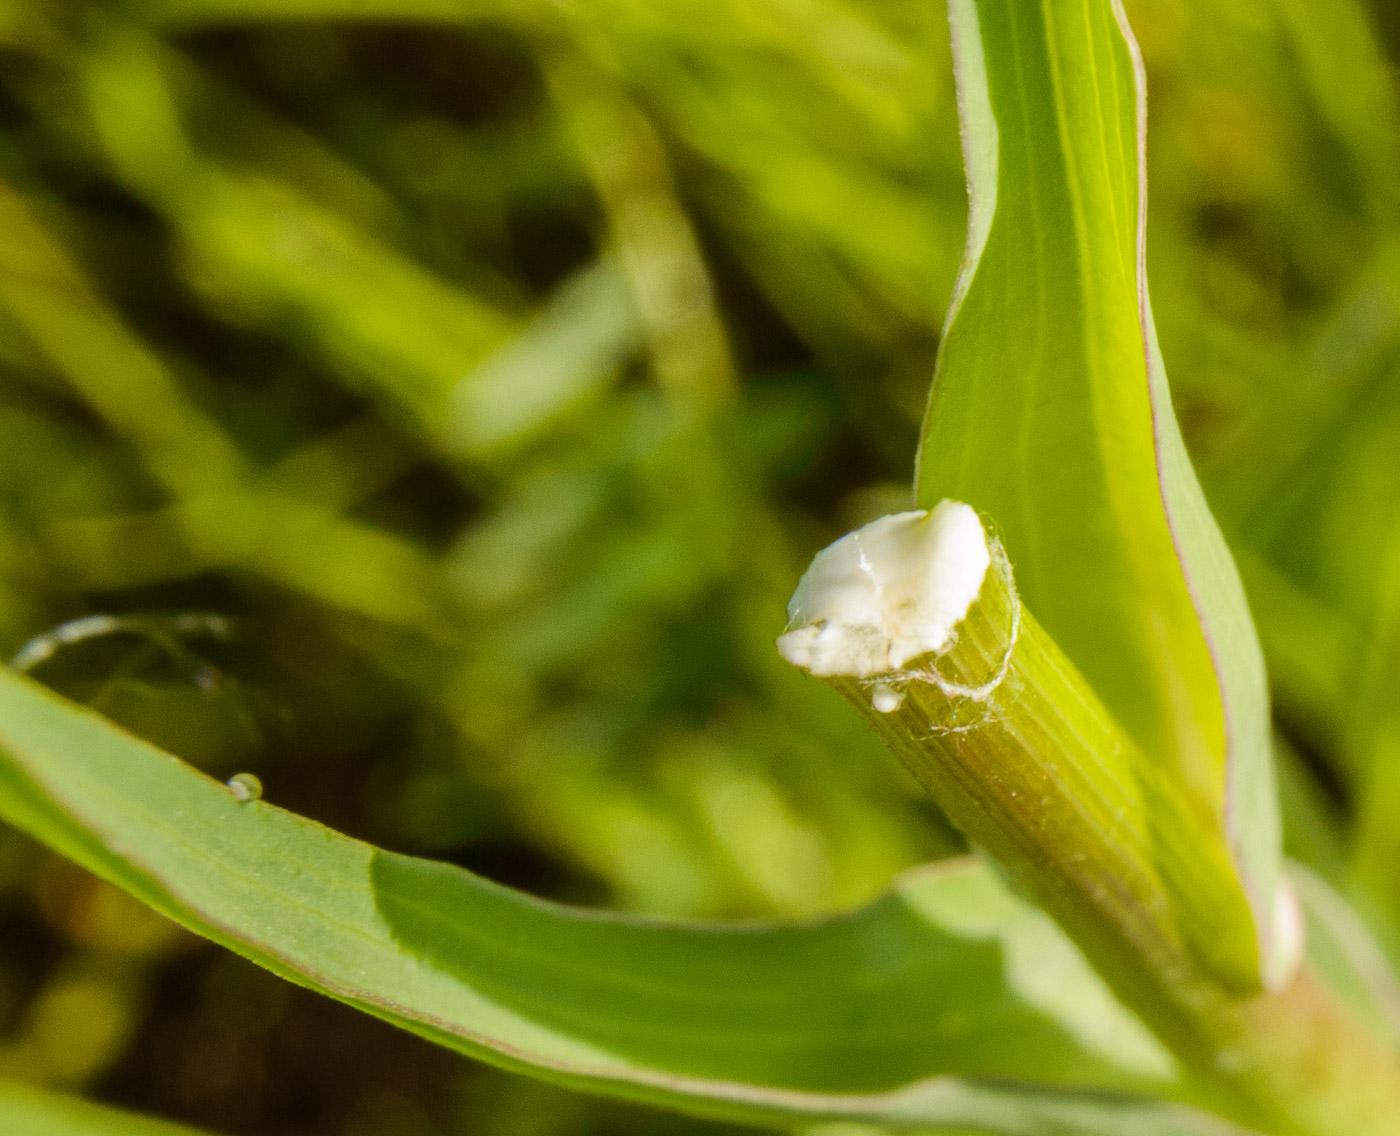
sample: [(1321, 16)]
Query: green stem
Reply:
[(1017, 749)]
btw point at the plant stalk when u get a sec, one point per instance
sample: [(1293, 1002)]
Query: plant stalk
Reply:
[(1016, 748)]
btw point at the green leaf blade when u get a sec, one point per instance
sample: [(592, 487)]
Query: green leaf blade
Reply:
[(900, 1012)]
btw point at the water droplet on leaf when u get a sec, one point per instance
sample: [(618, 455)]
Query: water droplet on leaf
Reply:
[(245, 787)]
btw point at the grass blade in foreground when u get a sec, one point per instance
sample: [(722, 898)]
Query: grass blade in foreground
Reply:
[(937, 1006), (1050, 413), (26, 1111)]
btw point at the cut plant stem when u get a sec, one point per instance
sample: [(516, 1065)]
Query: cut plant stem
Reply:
[(916, 621)]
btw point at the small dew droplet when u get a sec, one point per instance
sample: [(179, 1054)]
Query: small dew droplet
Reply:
[(245, 787), (886, 699)]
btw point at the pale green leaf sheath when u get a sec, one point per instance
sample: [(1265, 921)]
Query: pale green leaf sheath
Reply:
[(1050, 414)]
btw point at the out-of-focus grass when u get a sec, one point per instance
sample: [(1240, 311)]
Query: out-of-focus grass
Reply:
[(495, 369)]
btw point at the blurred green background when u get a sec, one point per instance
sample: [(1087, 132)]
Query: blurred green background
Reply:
[(429, 406)]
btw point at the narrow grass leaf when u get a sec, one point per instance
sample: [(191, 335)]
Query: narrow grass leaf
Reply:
[(942, 1004)]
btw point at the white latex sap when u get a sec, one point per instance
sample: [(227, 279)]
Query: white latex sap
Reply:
[(888, 593)]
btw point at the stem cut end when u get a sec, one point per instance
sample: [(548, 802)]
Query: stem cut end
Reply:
[(887, 593)]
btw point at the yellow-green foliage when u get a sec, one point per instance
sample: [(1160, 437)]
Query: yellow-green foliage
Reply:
[(494, 369)]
